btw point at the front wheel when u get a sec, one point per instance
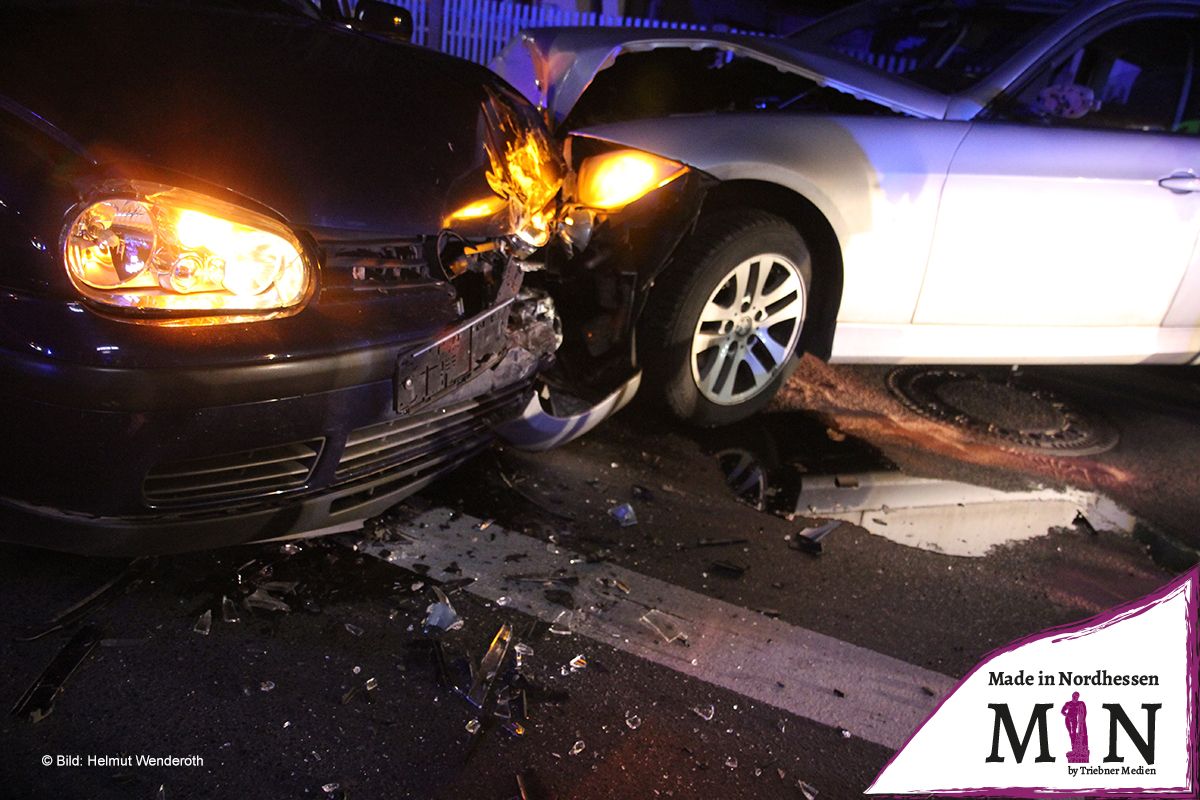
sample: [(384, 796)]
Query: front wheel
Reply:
[(720, 329)]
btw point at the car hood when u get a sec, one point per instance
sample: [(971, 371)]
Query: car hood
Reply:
[(328, 127), (554, 66)]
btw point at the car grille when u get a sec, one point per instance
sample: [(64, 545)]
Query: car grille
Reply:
[(232, 476), (420, 443), (355, 266)]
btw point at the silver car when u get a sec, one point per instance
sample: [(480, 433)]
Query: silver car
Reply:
[(968, 182)]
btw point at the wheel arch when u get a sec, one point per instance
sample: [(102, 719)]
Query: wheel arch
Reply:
[(800, 212)]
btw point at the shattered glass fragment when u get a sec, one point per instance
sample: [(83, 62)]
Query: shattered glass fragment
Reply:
[(633, 722), (578, 662), (229, 612), (502, 600), (624, 515), (807, 789), (418, 586), (289, 549), (353, 629), (663, 625), (845, 733), (266, 686), (473, 726), (261, 599), (330, 788), (365, 688), (731, 762), (204, 623), (705, 713), (562, 624), (489, 666), (578, 747)]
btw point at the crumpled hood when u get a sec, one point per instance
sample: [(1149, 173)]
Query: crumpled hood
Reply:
[(328, 127), (554, 66)]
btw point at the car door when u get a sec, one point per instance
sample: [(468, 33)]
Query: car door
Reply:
[(1075, 201)]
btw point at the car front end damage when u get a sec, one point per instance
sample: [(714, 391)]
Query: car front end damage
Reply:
[(205, 342)]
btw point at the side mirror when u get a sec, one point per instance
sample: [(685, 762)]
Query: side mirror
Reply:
[(1066, 101), (376, 16)]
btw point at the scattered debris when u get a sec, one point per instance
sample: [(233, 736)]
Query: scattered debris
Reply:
[(130, 577), (1081, 522), (290, 548), (705, 713), (727, 568), (204, 623), (353, 629), (633, 722), (262, 599), (38, 700), (809, 539), (578, 747), (835, 435), (330, 788), (838, 693), (731, 762), (578, 662), (719, 542), (229, 612), (808, 790), (663, 625), (441, 615), (642, 493), (624, 515), (845, 733), (489, 666), (365, 689), (267, 686), (473, 726)]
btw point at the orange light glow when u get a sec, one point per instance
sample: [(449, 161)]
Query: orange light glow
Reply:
[(479, 209), (614, 180)]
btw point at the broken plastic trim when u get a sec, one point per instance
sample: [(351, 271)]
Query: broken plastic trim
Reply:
[(537, 429)]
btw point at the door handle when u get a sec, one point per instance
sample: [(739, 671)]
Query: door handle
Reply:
[(1181, 183)]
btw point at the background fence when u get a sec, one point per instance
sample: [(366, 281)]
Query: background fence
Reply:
[(477, 29)]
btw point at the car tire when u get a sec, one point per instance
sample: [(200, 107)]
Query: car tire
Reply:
[(714, 356)]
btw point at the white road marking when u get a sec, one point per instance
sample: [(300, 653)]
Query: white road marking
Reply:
[(737, 649)]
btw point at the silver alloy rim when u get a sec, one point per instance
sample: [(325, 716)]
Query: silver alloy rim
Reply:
[(748, 329)]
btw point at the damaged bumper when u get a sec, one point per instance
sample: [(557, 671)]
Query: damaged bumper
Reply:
[(539, 428)]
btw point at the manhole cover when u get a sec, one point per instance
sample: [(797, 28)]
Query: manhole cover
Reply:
[(1002, 407)]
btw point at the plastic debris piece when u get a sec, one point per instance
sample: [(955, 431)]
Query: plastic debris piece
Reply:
[(578, 747), (353, 629), (489, 666), (441, 615), (809, 539), (473, 726), (705, 713), (633, 722), (624, 515), (719, 542), (204, 623), (663, 625), (262, 599), (266, 686), (330, 788), (807, 789), (365, 688), (838, 693), (578, 662), (125, 581), (38, 700), (561, 626), (728, 568), (613, 583), (229, 612), (731, 762)]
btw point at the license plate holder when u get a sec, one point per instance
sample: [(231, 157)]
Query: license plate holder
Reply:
[(441, 366)]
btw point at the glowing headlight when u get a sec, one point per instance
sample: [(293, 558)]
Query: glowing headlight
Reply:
[(171, 250), (613, 180)]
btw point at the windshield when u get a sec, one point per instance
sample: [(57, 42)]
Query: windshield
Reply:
[(943, 45)]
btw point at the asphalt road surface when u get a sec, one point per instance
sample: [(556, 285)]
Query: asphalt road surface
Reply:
[(705, 651)]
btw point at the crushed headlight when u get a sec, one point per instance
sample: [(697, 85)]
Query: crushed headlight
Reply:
[(162, 249), (613, 180), (525, 169)]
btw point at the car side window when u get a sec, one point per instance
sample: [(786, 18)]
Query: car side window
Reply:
[(1138, 76)]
